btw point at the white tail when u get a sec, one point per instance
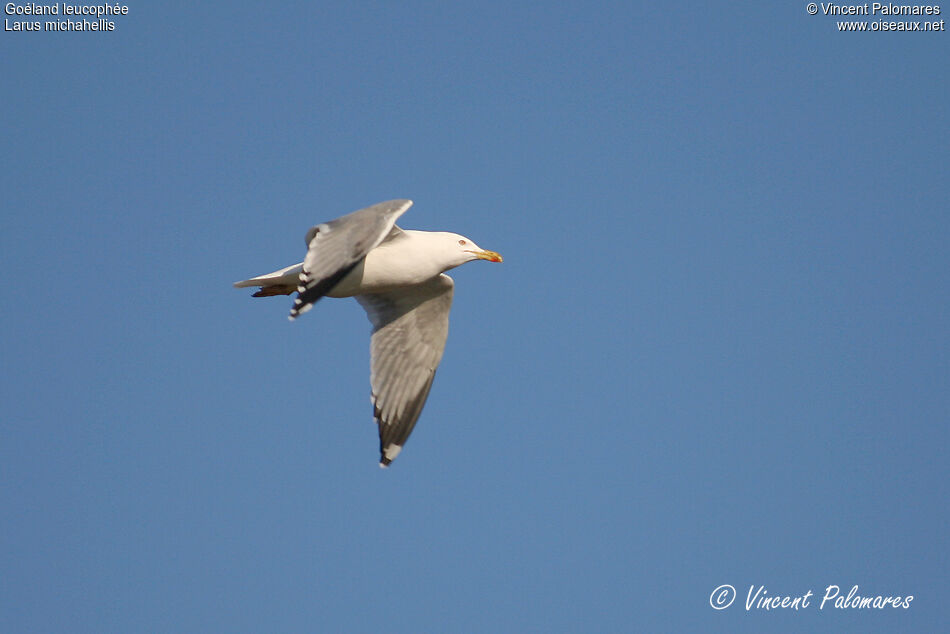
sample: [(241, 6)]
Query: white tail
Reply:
[(281, 282)]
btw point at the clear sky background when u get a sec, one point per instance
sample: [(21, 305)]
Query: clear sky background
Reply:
[(716, 353)]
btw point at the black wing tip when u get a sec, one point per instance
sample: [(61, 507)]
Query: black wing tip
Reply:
[(388, 453), (300, 307), (309, 292)]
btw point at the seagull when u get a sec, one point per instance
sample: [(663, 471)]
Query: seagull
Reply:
[(398, 277)]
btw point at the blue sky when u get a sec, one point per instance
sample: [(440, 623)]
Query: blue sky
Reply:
[(716, 353)]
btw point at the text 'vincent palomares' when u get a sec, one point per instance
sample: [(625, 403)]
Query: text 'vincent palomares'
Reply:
[(878, 8)]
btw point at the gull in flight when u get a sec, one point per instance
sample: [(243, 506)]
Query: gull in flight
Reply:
[(398, 277)]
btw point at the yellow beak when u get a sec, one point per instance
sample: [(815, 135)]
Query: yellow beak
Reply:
[(491, 256)]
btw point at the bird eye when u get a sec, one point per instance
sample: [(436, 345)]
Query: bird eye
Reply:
[(462, 242)]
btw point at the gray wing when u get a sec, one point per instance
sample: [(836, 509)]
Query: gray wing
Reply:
[(334, 248), (410, 327)]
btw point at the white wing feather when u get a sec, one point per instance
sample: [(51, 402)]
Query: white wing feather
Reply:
[(410, 327)]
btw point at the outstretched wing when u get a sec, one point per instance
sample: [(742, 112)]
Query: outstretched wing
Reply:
[(334, 248), (410, 326)]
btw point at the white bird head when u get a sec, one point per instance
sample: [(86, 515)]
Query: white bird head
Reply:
[(458, 250)]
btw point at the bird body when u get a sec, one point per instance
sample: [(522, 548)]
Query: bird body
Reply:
[(404, 260), (398, 277)]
